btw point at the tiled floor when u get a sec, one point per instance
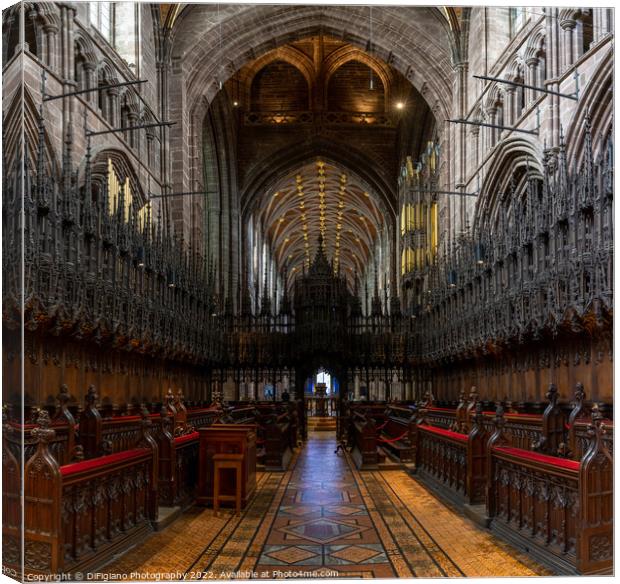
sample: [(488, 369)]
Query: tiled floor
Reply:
[(325, 518)]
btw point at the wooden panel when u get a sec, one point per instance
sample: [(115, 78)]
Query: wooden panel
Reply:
[(227, 439)]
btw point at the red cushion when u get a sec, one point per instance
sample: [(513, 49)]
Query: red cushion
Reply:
[(535, 456), (441, 410), (109, 460), (187, 438), (534, 416), (448, 433)]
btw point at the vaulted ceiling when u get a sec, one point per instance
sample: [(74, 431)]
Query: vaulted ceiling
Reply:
[(322, 198), (345, 108)]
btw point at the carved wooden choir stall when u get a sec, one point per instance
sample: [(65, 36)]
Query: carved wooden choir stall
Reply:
[(96, 485), (544, 482)]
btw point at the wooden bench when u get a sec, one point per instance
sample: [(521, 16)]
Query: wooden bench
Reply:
[(559, 510), (276, 435), (364, 433), (79, 515), (396, 433), (454, 462)]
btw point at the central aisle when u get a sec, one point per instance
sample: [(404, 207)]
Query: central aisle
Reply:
[(324, 518)]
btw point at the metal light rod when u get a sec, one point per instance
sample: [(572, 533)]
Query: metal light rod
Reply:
[(445, 193), (127, 128), (535, 132), (551, 92), (177, 194), (81, 91)]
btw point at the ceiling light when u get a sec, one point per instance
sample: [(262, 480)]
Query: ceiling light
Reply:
[(235, 103), (400, 105)]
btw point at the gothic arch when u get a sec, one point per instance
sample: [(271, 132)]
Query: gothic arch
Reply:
[(346, 54), (511, 156), (289, 55), (593, 101), (249, 33), (535, 43), (122, 166)]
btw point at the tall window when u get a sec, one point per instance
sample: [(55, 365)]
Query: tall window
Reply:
[(117, 22), (517, 20), (101, 17)]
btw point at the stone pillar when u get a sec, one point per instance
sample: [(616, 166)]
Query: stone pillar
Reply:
[(66, 65), (567, 46), (356, 386), (132, 119), (90, 81), (113, 107), (578, 47), (492, 111), (475, 133), (554, 54), (531, 79)]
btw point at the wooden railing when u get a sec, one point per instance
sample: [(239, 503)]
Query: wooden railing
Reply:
[(77, 515), (561, 510)]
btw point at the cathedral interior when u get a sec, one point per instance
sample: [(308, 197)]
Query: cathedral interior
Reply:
[(306, 291)]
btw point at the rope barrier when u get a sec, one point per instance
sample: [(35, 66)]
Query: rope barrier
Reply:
[(392, 440)]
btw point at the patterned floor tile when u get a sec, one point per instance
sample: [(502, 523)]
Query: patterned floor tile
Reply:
[(291, 555), (355, 554), (323, 518)]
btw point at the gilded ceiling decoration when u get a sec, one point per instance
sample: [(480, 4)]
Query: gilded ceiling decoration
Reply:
[(321, 198)]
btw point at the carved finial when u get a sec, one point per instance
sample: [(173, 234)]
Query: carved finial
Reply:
[(478, 415), (473, 394), (580, 393), (63, 396), (43, 419), (91, 396), (499, 420), (596, 428), (552, 394), (43, 433)]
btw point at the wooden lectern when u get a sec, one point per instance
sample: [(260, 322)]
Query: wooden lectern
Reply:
[(226, 439)]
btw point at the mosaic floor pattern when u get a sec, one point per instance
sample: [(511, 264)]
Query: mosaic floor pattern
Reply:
[(323, 518)]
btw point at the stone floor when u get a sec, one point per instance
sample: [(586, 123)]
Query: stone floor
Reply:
[(323, 518)]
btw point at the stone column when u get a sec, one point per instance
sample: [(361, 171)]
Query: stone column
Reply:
[(113, 112), (553, 42), (356, 386), (531, 79), (90, 82), (475, 132), (492, 111), (132, 120), (567, 46), (578, 47)]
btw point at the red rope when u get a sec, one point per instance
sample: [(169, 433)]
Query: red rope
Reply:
[(391, 440), (382, 425)]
